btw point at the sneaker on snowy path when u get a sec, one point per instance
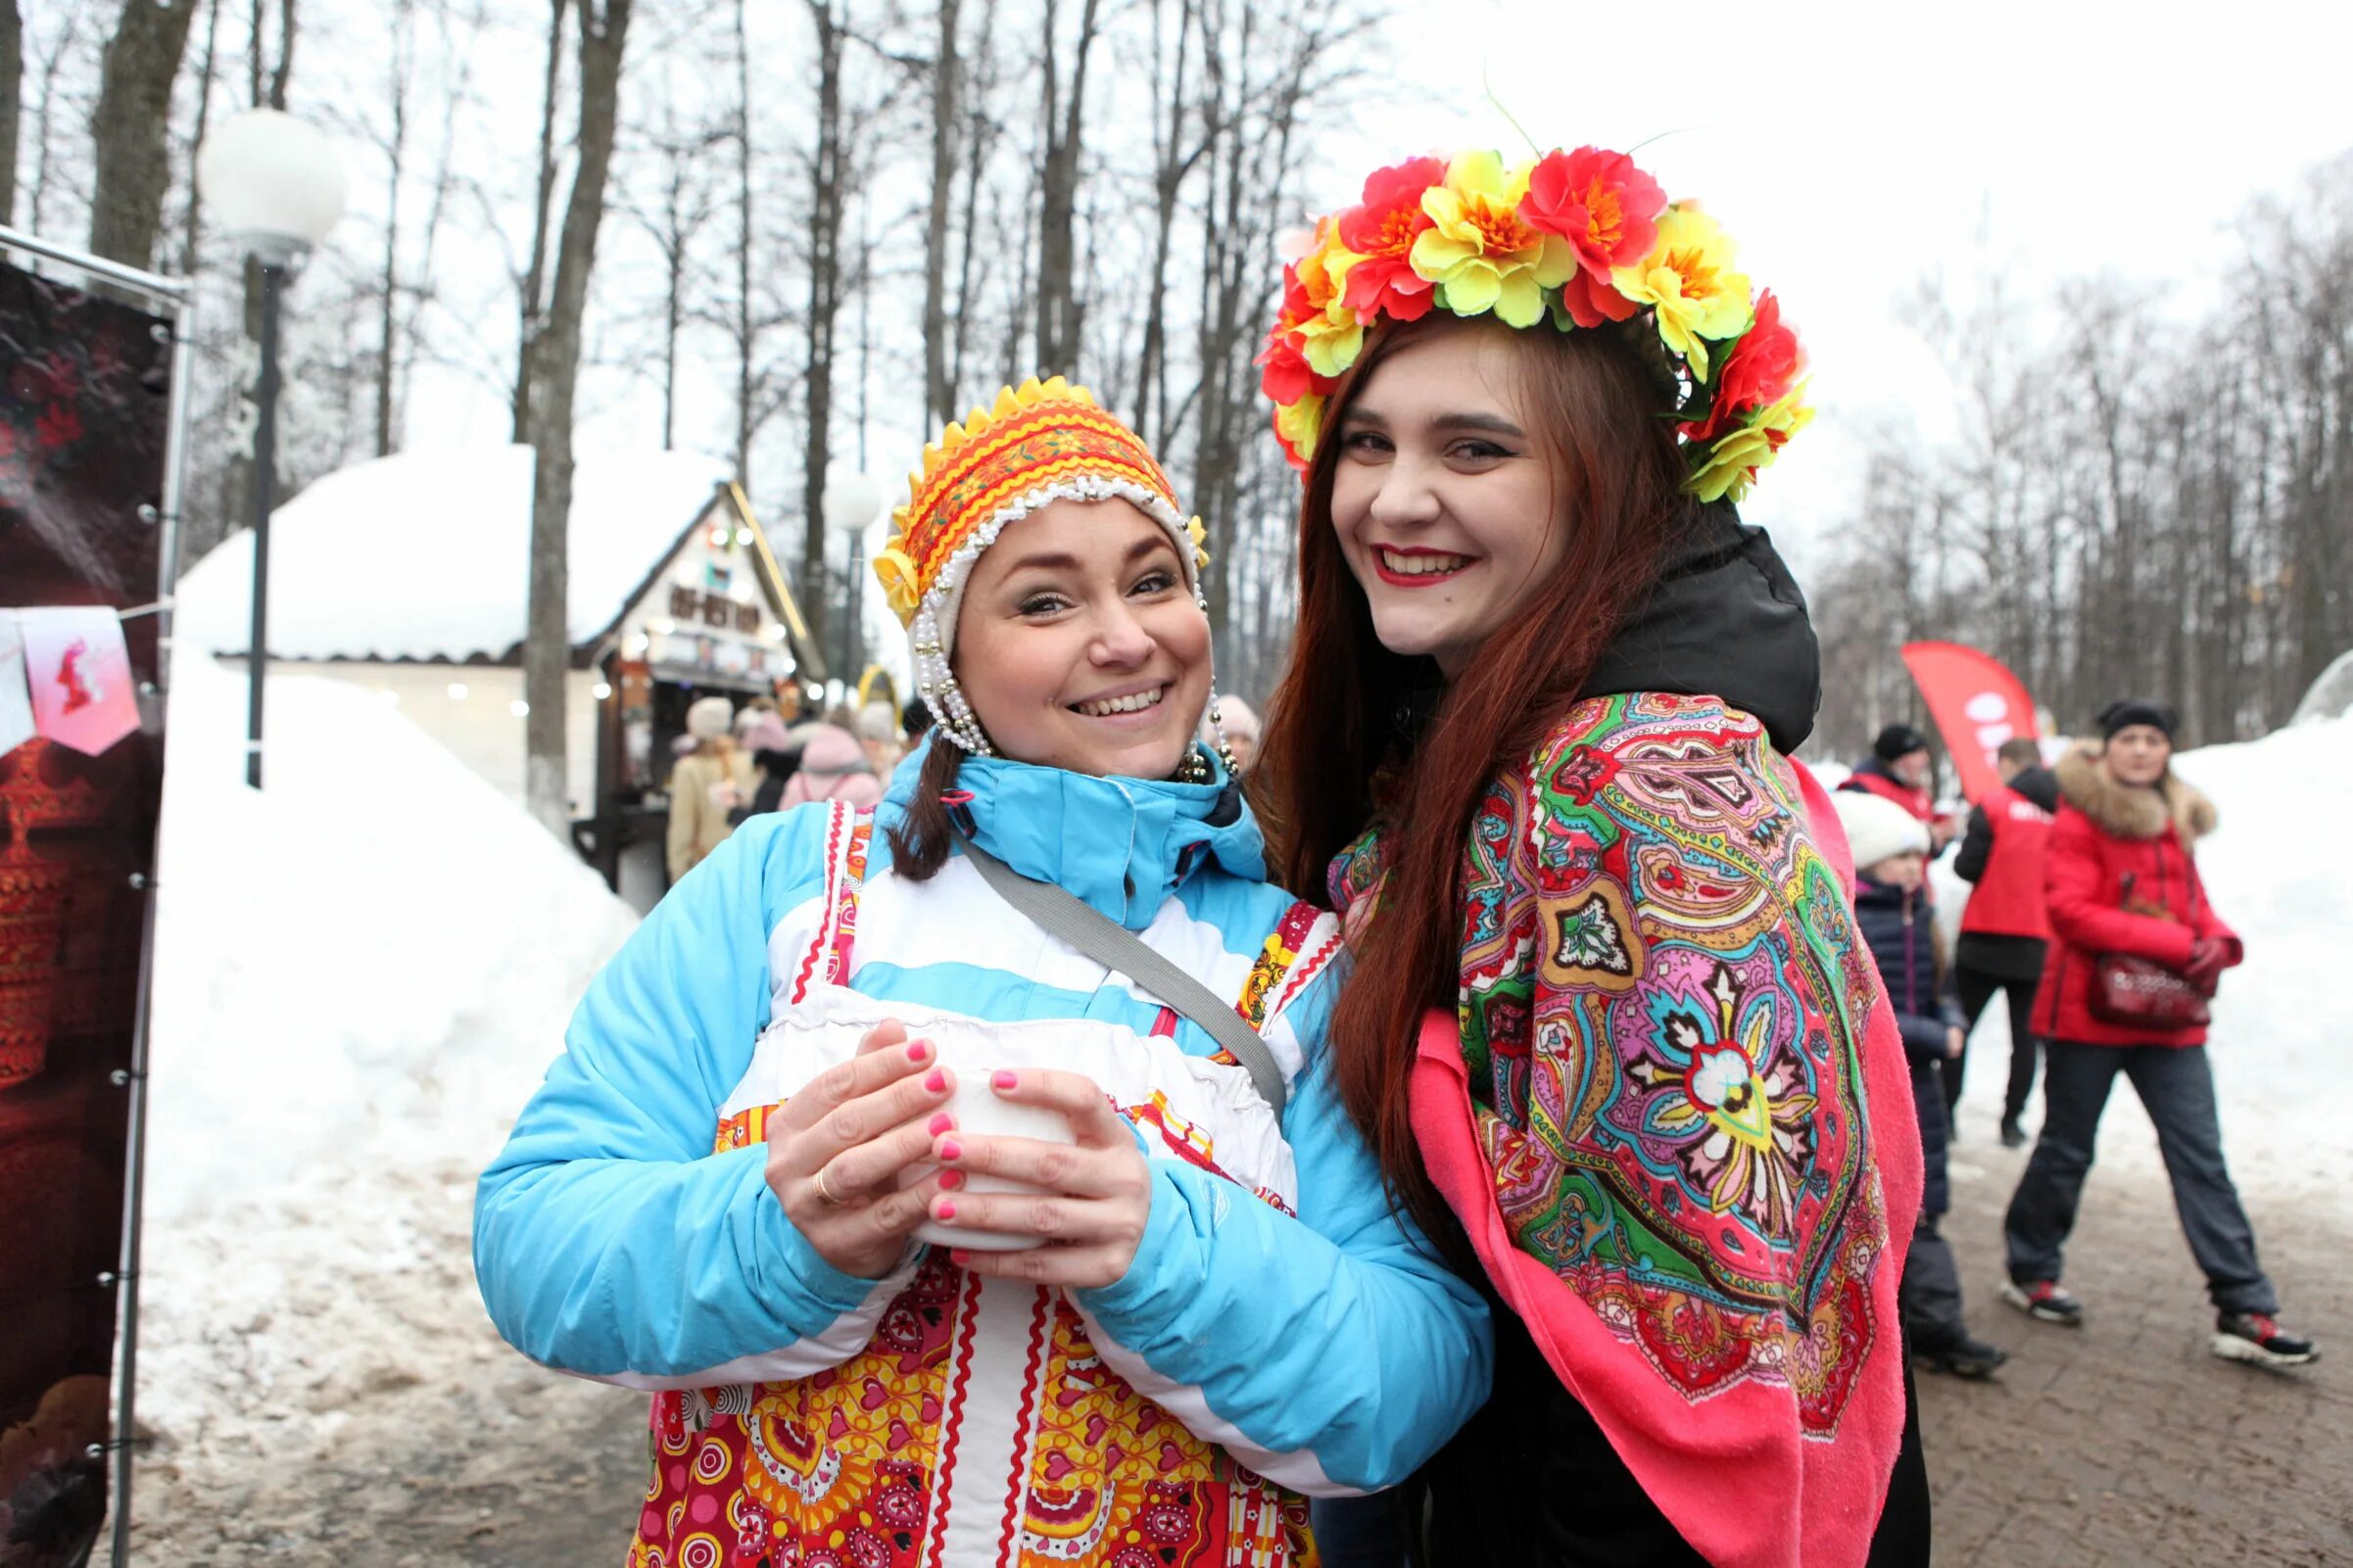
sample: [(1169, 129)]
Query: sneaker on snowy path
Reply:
[(2257, 1337), (2046, 1300), (1964, 1358)]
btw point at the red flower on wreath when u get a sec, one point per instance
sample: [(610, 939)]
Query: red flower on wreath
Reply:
[(1760, 370), (1282, 370), (1607, 210), (1382, 231)]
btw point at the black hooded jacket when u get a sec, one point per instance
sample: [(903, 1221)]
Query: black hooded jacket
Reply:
[(1726, 620)]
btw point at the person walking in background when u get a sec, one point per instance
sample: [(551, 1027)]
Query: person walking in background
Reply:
[(1890, 846), (708, 785), (832, 767), (1240, 722), (775, 758), (2004, 927), (1899, 769), (878, 734), (2134, 947), (915, 720)]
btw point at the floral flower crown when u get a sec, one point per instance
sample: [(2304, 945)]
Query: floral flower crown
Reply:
[(1577, 238)]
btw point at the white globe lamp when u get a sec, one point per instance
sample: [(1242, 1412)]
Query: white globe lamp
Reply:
[(272, 183)]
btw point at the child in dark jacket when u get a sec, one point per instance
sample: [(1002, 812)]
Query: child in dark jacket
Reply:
[(1894, 917)]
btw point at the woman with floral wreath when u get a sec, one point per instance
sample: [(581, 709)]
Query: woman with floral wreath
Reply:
[(1608, 1028), (1199, 1309)]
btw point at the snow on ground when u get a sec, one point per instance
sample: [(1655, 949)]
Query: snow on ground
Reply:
[(2281, 1055), (360, 973)]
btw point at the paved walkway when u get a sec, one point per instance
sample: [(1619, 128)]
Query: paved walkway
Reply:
[(2125, 1443)]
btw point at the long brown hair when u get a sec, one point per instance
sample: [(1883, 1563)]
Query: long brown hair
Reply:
[(1338, 753)]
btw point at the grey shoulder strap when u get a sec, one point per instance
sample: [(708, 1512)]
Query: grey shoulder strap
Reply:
[(1115, 947)]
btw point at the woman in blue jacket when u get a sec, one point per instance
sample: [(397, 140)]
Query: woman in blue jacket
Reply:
[(1209, 1307)]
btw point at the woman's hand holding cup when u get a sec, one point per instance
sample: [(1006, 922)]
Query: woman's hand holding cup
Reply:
[(1093, 1197), (838, 1149)]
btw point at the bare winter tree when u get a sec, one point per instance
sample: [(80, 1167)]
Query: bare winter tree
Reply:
[(2133, 505), (552, 360), (1062, 118), (947, 125), (827, 199), (134, 109), (531, 285), (12, 93)]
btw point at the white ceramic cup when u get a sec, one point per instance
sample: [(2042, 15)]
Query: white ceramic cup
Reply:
[(973, 1052)]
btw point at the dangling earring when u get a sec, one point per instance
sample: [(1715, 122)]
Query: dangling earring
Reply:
[(1217, 725), (1194, 767)]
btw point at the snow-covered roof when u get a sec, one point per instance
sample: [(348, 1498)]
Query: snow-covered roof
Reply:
[(426, 555)]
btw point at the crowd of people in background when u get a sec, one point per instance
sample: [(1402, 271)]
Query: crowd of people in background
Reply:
[(739, 761), (2087, 915)]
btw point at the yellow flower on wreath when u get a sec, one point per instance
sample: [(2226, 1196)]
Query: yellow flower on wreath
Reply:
[(1480, 251), (1330, 334), (1298, 426), (1732, 463), (896, 570), (1196, 531), (1688, 283)]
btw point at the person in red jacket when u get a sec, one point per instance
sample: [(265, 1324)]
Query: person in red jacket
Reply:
[(2005, 931), (1899, 769), (2118, 878)]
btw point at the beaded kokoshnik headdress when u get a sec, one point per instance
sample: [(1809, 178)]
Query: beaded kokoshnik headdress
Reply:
[(1039, 442), (1570, 240)]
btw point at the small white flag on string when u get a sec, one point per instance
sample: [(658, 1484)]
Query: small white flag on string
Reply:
[(78, 667)]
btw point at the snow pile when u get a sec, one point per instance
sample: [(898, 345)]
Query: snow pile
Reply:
[(360, 973), (421, 554), (372, 959), (2283, 1071)]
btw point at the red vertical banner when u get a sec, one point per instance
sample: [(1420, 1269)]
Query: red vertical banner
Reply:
[(1977, 704), (84, 409)]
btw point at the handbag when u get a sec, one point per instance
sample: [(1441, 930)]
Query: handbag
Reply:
[(1108, 943), (2136, 992)]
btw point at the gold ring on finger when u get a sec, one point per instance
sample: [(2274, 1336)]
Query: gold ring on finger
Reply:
[(825, 1195)]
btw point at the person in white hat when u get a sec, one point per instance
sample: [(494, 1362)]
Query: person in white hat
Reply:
[(1897, 923), (709, 782)]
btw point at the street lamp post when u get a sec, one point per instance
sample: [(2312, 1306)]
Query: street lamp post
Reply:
[(274, 185), (851, 504)]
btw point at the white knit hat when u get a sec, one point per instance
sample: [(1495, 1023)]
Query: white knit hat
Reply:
[(1877, 828), (709, 718)]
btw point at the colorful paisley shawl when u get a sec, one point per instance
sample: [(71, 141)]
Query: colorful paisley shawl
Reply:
[(1672, 1115)]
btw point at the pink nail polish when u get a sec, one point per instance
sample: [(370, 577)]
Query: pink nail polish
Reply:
[(1003, 1078), (950, 1149), (920, 1052), (940, 1125), (959, 1255), (947, 1209), (949, 1180), (937, 1082)]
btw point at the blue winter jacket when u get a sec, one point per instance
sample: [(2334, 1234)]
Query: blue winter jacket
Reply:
[(1330, 1351), (1897, 925)]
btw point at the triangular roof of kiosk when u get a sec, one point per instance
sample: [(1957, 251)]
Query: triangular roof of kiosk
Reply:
[(426, 556)]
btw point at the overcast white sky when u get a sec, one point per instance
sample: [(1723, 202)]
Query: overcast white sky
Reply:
[(1851, 148)]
